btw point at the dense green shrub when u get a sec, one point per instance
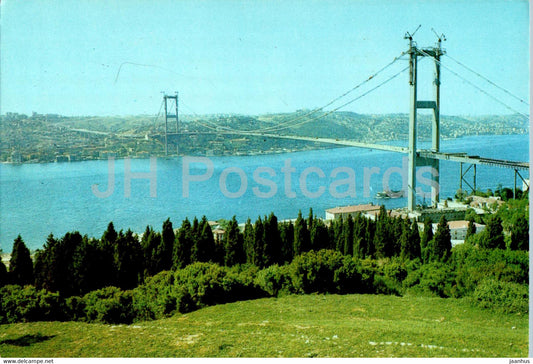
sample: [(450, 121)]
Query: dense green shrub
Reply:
[(75, 308), (472, 265), (275, 280), (314, 271), (348, 278), (205, 284), (109, 305), (380, 276), (434, 278), (502, 296), (155, 298), (328, 271), (24, 304)]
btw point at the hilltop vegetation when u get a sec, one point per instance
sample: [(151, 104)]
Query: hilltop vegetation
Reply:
[(47, 138), (120, 278), (123, 279)]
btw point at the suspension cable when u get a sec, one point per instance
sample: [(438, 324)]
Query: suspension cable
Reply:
[(489, 81), (476, 87), (274, 127), (343, 105), (158, 113)]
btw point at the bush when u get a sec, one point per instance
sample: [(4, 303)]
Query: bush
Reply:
[(25, 304), (383, 276), (328, 271), (205, 284), (109, 305), (75, 308), (314, 271), (348, 278), (275, 280), (472, 265), (437, 278), (434, 278), (506, 297), (155, 298)]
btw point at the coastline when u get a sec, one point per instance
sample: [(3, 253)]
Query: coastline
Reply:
[(240, 154)]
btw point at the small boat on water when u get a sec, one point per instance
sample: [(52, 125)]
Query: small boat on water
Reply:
[(382, 195), (385, 195)]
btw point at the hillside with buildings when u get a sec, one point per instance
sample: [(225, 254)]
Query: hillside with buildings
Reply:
[(51, 138)]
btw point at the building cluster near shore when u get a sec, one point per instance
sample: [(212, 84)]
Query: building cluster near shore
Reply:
[(454, 211)]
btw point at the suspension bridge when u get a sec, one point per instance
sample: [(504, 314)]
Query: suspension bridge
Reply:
[(416, 157)]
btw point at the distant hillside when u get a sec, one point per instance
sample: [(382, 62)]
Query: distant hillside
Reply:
[(47, 138)]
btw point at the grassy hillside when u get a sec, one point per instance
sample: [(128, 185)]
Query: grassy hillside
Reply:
[(292, 326)]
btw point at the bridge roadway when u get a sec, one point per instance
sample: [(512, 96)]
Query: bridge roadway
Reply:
[(423, 154)]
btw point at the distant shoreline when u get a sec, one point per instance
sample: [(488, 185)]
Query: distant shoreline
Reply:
[(250, 154)]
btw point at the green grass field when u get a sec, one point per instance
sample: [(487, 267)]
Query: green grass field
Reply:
[(292, 326)]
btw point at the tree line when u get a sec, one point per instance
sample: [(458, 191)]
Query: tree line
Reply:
[(76, 264)]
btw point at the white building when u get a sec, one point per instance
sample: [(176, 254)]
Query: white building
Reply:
[(458, 230), (345, 211)]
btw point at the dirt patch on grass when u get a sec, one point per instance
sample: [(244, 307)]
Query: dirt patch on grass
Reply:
[(188, 340)]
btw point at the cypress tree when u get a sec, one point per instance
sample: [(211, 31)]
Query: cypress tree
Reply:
[(249, 241), (287, 241), (369, 237), (259, 243), (310, 219), (86, 272), (233, 244), (110, 235), (195, 235), (410, 241), (427, 237), (471, 229), (163, 253), (183, 246), (492, 237), (382, 238), (3, 273), (106, 247), (203, 249), (70, 264), (414, 241), (20, 264), (301, 236), (319, 235), (404, 241), (520, 234), (442, 243), (149, 243), (339, 234), (128, 260), (272, 241), (331, 235), (359, 239), (396, 228), (45, 265), (348, 236)]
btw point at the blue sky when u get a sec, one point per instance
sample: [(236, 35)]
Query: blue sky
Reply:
[(252, 57)]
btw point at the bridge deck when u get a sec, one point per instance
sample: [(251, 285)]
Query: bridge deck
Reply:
[(455, 157), (464, 158)]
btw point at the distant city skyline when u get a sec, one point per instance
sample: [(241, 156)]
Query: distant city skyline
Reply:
[(115, 57)]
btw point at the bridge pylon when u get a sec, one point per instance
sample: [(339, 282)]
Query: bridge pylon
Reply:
[(170, 101), (415, 104)]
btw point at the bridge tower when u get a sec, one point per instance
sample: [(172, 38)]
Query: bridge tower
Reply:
[(415, 104), (169, 102)]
